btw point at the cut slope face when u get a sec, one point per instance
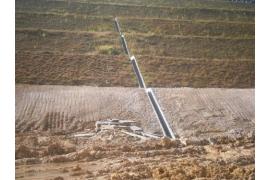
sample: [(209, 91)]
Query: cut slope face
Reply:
[(209, 113), (69, 108), (191, 113)]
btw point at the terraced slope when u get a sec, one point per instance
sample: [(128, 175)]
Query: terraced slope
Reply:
[(190, 43), (178, 43)]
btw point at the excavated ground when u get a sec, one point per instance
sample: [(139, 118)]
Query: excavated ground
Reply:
[(112, 155), (215, 140), (178, 43)]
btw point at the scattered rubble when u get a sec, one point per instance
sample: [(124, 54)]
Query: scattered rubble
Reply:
[(127, 127)]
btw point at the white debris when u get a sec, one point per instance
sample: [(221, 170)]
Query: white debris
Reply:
[(84, 135), (126, 126)]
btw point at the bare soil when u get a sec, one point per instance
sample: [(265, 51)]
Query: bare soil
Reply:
[(209, 144), (73, 69), (194, 43), (112, 155), (110, 70), (65, 109), (170, 46), (209, 113), (189, 43)]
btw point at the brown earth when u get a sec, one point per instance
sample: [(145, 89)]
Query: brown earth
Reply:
[(111, 70), (73, 69), (192, 113), (190, 43), (194, 43), (152, 45), (112, 155), (209, 112), (48, 116), (65, 109)]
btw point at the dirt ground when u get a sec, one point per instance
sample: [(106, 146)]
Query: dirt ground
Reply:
[(209, 112), (108, 70), (196, 43), (66, 48), (66, 109), (113, 155), (49, 117)]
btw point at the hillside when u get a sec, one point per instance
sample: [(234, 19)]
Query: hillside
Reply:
[(79, 111), (190, 43)]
